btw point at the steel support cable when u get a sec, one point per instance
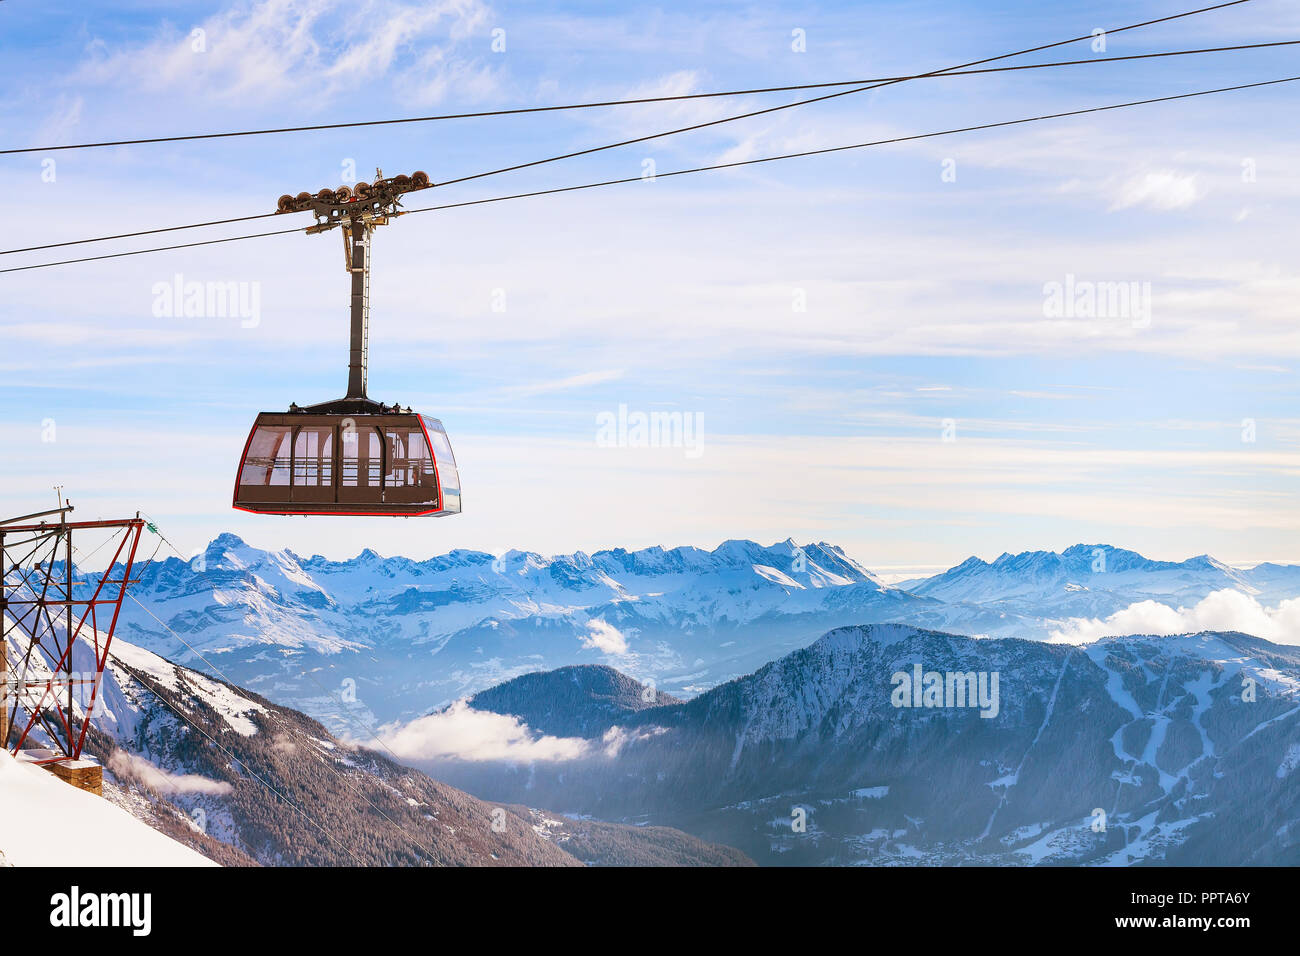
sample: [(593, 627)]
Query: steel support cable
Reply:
[(685, 172), (628, 102)]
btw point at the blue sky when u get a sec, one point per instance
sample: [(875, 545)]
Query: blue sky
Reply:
[(1173, 432)]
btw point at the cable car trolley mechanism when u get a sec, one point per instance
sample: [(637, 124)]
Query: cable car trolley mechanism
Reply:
[(352, 455)]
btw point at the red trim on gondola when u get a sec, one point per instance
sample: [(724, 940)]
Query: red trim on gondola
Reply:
[(234, 499), (373, 514)]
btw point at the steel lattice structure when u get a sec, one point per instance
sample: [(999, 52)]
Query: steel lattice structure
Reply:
[(46, 614)]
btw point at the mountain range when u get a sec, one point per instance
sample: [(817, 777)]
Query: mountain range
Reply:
[(1098, 579), (1168, 750), (373, 640)]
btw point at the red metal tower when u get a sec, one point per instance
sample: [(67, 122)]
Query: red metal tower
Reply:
[(59, 628)]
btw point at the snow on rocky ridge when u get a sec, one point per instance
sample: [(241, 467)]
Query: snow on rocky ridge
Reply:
[(1045, 575), (374, 639)]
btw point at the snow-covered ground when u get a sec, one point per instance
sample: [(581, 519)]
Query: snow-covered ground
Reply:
[(47, 822)]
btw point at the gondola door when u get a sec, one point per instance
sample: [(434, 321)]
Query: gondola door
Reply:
[(361, 477), (312, 464)]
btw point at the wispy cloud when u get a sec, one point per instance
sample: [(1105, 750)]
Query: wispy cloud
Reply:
[(581, 380), (1164, 189), (129, 766), (303, 48)]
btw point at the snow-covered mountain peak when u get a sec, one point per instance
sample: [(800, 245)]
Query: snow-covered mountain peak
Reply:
[(740, 551), (1204, 562), (230, 551), (855, 637), (1081, 567)]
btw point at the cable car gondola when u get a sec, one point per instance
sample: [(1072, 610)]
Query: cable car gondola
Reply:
[(353, 455)]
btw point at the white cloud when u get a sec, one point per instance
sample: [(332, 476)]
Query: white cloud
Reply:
[(616, 738), (565, 384), (132, 767), (679, 83), (66, 114), (462, 733), (1225, 610), (604, 636), (1163, 189), (310, 49)]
